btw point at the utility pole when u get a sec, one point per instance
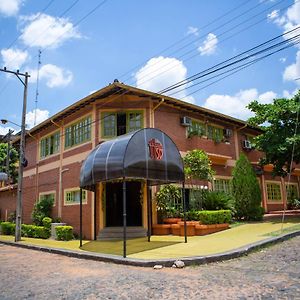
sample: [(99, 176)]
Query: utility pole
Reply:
[(22, 154)]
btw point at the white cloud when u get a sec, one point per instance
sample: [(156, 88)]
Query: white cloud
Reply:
[(10, 7), (41, 115), (161, 72), (193, 30), (42, 30), (54, 76), (4, 130), (293, 71), (282, 59), (14, 58), (209, 46), (289, 20), (236, 105), (274, 14), (289, 95)]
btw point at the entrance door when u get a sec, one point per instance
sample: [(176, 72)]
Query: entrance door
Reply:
[(114, 204)]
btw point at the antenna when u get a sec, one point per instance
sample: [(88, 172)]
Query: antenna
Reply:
[(37, 84)]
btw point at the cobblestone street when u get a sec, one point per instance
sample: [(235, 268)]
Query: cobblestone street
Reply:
[(272, 273)]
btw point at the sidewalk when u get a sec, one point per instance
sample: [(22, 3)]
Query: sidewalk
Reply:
[(222, 245)]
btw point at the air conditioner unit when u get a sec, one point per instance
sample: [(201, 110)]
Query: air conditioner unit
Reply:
[(247, 145), (186, 121), (227, 132)]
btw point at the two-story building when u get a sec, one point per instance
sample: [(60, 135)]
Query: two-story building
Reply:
[(56, 148)]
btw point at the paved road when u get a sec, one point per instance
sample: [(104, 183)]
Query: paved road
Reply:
[(273, 273)]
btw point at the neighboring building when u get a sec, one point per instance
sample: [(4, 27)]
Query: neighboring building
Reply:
[(56, 148)]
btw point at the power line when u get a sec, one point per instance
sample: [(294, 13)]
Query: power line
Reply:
[(213, 69), (203, 36), (37, 85), (183, 39)]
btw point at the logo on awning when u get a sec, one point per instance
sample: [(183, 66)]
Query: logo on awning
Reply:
[(156, 150)]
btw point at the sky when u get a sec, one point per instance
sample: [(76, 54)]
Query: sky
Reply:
[(85, 45)]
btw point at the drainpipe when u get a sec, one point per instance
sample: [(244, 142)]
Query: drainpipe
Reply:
[(155, 107), (60, 193)]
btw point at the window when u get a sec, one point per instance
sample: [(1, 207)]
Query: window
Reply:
[(214, 133), (197, 128), (274, 192), (222, 185), (78, 132), (291, 191), (73, 197), (48, 196), (115, 124), (49, 145)]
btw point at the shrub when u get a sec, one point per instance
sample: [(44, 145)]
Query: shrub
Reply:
[(41, 210), (293, 203), (212, 216), (8, 228), (246, 191), (64, 233), (12, 217), (34, 231), (218, 200), (168, 201), (47, 222)]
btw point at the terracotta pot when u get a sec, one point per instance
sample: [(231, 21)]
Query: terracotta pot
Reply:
[(171, 220), (190, 228), (161, 229), (208, 229), (175, 229)]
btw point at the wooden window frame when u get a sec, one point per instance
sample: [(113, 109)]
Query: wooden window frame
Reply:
[(84, 196), (272, 201), (57, 132), (53, 192)]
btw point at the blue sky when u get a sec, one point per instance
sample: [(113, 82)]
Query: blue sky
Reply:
[(126, 39)]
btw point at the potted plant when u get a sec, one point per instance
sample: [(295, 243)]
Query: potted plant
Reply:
[(168, 203)]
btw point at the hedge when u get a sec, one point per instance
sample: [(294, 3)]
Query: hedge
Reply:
[(26, 230), (64, 233), (8, 228), (34, 231), (210, 216)]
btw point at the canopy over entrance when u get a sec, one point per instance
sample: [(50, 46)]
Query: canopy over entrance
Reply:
[(144, 154)]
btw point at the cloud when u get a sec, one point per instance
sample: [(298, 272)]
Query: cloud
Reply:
[(236, 105), (193, 30), (292, 71), (209, 46), (53, 75), (41, 115), (14, 58), (42, 30), (289, 20), (4, 130), (274, 14), (282, 59), (10, 7), (161, 72)]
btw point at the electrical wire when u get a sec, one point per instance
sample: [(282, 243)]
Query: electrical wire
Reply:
[(219, 35)]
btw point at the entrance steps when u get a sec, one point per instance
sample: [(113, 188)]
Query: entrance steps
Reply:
[(116, 233)]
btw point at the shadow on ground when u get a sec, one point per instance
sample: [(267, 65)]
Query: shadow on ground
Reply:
[(133, 246)]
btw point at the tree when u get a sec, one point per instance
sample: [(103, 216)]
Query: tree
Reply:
[(13, 158), (197, 165), (246, 191), (280, 120)]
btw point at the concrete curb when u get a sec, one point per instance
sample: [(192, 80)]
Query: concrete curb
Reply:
[(193, 260)]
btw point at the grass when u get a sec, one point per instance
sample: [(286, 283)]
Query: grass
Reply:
[(133, 246), (239, 235)]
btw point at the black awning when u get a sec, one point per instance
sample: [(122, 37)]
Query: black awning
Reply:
[(143, 154)]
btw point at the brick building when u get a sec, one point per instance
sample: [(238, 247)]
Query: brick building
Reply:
[(56, 148)]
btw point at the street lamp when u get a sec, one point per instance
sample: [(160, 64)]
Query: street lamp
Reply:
[(22, 160)]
